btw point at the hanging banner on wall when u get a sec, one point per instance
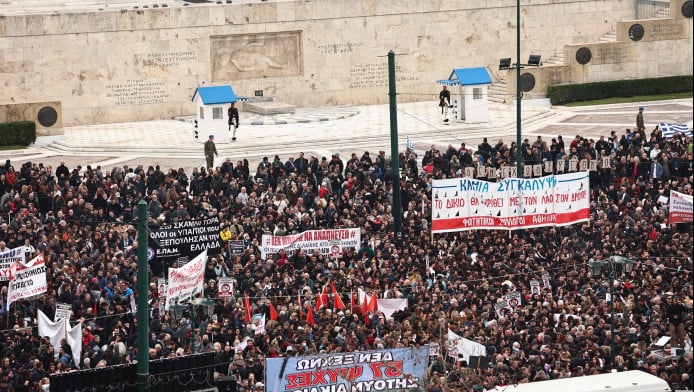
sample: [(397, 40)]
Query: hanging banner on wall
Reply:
[(512, 203), (379, 370), (323, 240)]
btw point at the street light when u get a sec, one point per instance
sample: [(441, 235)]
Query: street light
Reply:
[(612, 264), (197, 306)]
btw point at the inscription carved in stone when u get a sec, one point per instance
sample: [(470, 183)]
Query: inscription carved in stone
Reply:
[(337, 47), (137, 92), (376, 75), (249, 56), (613, 54), (664, 31), (169, 59)]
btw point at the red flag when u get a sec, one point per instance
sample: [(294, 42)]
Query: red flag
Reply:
[(373, 305), (96, 301), (319, 302), (351, 300), (248, 308), (338, 301), (273, 313), (324, 296), (309, 317)]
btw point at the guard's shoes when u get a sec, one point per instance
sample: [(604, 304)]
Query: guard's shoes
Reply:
[(233, 138), (446, 120)]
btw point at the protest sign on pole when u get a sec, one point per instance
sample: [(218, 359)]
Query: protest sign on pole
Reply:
[(335, 249), (512, 203), (310, 240), (546, 282), (226, 288), (514, 300), (236, 247), (28, 279), (62, 311), (501, 308), (161, 287), (434, 350), (379, 370), (681, 208), (186, 282), (534, 287), (7, 258)]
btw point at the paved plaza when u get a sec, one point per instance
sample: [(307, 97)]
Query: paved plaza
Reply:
[(323, 131)]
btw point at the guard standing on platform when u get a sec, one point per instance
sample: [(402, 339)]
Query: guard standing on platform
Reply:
[(233, 120), (210, 151), (445, 102)]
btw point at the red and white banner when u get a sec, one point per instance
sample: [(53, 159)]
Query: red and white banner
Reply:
[(681, 207), (27, 280), (323, 240), (186, 282), (9, 257), (512, 203)]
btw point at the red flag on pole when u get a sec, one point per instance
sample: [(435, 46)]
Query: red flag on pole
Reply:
[(338, 301), (273, 313), (365, 309), (372, 306), (301, 308), (319, 302), (309, 317), (96, 309), (324, 296), (351, 300), (248, 308)]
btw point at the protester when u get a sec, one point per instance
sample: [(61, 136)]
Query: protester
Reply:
[(83, 222)]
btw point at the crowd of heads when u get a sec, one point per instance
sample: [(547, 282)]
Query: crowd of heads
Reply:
[(83, 220)]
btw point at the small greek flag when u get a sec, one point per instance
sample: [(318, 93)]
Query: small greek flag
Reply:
[(669, 130), (410, 145)]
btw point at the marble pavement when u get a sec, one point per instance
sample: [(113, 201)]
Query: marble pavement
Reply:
[(324, 131)]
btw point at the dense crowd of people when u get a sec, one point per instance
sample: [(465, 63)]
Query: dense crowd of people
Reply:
[(82, 219)]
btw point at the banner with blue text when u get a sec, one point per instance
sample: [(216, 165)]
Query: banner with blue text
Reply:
[(512, 203)]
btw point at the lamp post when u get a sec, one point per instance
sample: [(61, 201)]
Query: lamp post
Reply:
[(612, 264), (519, 153), (204, 306)]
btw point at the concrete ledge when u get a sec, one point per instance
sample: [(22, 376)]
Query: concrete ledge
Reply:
[(268, 108)]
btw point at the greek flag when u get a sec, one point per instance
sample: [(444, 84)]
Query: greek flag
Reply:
[(669, 130), (410, 145)]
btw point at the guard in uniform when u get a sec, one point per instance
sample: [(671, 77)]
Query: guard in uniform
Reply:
[(445, 102), (210, 151), (233, 120)]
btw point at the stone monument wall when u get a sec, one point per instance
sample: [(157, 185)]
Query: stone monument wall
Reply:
[(127, 65), (646, 48)]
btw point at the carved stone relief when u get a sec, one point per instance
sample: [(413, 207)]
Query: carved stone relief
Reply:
[(249, 56)]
